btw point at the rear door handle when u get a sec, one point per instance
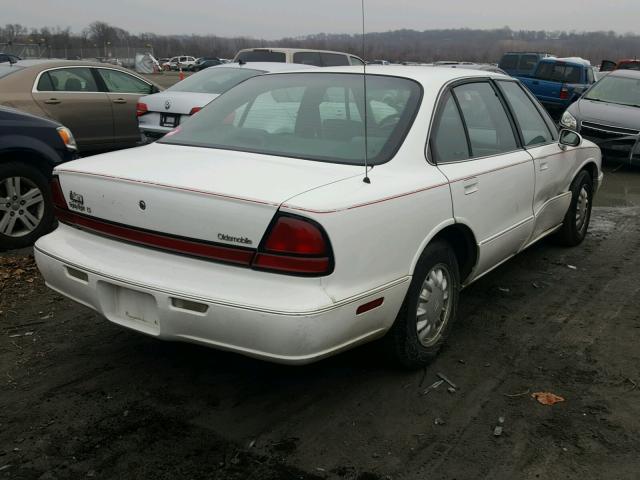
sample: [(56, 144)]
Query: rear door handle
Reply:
[(52, 101), (470, 186), (544, 166), (119, 100)]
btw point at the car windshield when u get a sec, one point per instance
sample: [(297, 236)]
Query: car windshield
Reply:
[(314, 116), (8, 70), (613, 89), (214, 80)]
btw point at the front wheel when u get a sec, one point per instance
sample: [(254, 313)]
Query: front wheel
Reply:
[(429, 309), (26, 211), (576, 221)]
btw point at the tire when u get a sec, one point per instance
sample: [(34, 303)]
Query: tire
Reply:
[(576, 221), (27, 214), (403, 340)]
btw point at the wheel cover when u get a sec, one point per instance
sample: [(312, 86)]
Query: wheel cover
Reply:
[(582, 208), (21, 206), (434, 305)]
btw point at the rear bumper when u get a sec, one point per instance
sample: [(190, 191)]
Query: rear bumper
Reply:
[(171, 297)]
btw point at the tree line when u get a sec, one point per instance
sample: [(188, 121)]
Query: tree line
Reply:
[(101, 39)]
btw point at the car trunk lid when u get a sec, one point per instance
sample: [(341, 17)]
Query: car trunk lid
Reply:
[(209, 195)]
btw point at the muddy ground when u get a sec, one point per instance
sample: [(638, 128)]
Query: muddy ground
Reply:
[(82, 398)]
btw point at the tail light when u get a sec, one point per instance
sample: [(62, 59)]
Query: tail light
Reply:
[(295, 245), (57, 195), (195, 110), (564, 93), (141, 109)]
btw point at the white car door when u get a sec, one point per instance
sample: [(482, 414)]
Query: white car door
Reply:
[(474, 143), (553, 165)]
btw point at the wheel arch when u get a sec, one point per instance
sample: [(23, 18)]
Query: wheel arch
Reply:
[(463, 242), (28, 156)]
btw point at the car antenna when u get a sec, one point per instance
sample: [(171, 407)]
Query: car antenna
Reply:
[(366, 178)]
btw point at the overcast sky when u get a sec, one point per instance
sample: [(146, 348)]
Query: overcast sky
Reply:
[(272, 19)]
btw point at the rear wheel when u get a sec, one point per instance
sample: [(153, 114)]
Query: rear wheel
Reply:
[(429, 309), (25, 205), (576, 221)]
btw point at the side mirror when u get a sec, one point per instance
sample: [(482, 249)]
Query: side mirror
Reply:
[(569, 138)]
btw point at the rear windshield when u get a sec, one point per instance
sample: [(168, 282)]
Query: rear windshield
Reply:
[(8, 70), (613, 89), (509, 62), (314, 116), (559, 72), (214, 80), (261, 56)]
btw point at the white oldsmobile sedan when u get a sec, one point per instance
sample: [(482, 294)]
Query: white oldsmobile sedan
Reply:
[(253, 228)]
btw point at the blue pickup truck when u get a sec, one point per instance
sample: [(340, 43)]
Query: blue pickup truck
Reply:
[(558, 82)]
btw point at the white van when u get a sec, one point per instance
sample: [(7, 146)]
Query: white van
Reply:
[(319, 58)]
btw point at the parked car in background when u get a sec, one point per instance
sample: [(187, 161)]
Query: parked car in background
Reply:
[(96, 101), (521, 64), (205, 62), (9, 57), (251, 229), (162, 112), (608, 114), (558, 82), (183, 62), (30, 147), (627, 64), (318, 58)]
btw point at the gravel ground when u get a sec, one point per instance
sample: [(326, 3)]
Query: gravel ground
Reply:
[(82, 398)]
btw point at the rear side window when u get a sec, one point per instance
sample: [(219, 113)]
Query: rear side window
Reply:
[(449, 140), (307, 58), (261, 56), (356, 61), (120, 82), (488, 126), (528, 62), (67, 80), (509, 62), (590, 76), (334, 59), (533, 127)]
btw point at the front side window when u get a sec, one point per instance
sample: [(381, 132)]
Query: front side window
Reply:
[(315, 116), (334, 59), (67, 80), (120, 82), (532, 125), (528, 62), (488, 126), (449, 139)]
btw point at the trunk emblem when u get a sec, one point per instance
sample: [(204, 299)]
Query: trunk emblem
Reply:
[(167, 105), (143, 206)]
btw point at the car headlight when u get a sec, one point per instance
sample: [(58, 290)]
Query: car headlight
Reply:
[(569, 121), (67, 139)]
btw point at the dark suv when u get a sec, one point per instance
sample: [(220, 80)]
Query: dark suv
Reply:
[(30, 147), (521, 64)]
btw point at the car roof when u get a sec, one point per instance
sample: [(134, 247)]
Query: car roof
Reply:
[(424, 74), (635, 74), (268, 66), (52, 63), (293, 50)]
